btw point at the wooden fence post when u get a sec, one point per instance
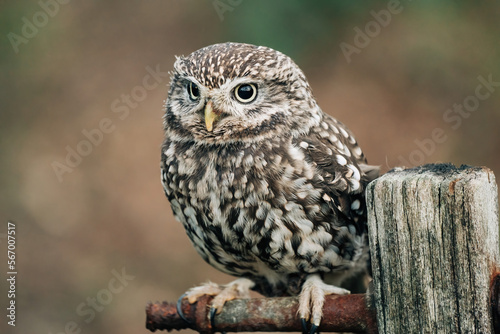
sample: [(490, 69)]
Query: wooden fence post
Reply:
[(434, 243)]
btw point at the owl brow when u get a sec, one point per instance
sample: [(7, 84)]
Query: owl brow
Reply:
[(185, 81)]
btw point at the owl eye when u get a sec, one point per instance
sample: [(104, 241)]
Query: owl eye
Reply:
[(193, 90), (245, 93)]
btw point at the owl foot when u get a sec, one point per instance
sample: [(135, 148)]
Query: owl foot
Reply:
[(311, 300), (239, 288)]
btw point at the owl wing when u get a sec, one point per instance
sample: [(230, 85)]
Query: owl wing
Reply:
[(341, 166)]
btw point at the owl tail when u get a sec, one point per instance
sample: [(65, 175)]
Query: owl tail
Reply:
[(369, 172)]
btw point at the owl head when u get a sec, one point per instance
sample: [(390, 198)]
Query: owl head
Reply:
[(234, 92)]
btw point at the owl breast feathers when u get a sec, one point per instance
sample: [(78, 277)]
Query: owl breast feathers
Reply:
[(267, 186)]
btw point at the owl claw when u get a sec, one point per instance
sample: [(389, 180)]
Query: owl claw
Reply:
[(213, 311), (222, 293), (312, 298), (305, 330), (303, 322), (314, 329), (179, 309)]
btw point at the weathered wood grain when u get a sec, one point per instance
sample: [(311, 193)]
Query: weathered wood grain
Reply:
[(434, 243)]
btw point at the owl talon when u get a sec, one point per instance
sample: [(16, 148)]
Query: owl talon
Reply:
[(314, 329), (213, 312), (305, 330), (312, 298), (179, 309), (303, 322), (211, 316), (222, 293)]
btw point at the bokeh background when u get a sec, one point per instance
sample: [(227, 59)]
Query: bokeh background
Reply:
[(67, 67)]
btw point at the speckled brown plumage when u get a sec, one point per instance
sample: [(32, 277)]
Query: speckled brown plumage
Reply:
[(274, 192)]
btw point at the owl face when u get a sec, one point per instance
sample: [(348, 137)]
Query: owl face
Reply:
[(237, 92)]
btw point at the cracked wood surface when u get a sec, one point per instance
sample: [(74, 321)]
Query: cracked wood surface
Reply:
[(434, 244)]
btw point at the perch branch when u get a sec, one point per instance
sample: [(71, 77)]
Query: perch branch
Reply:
[(349, 313)]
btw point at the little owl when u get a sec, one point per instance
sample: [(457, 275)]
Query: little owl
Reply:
[(269, 188)]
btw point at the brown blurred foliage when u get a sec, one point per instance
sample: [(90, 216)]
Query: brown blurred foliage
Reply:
[(74, 67)]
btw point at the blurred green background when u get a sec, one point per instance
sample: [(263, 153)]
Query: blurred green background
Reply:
[(392, 71)]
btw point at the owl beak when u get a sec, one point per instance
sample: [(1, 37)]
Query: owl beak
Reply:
[(211, 116)]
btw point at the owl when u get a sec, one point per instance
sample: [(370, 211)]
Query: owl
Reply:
[(269, 188)]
